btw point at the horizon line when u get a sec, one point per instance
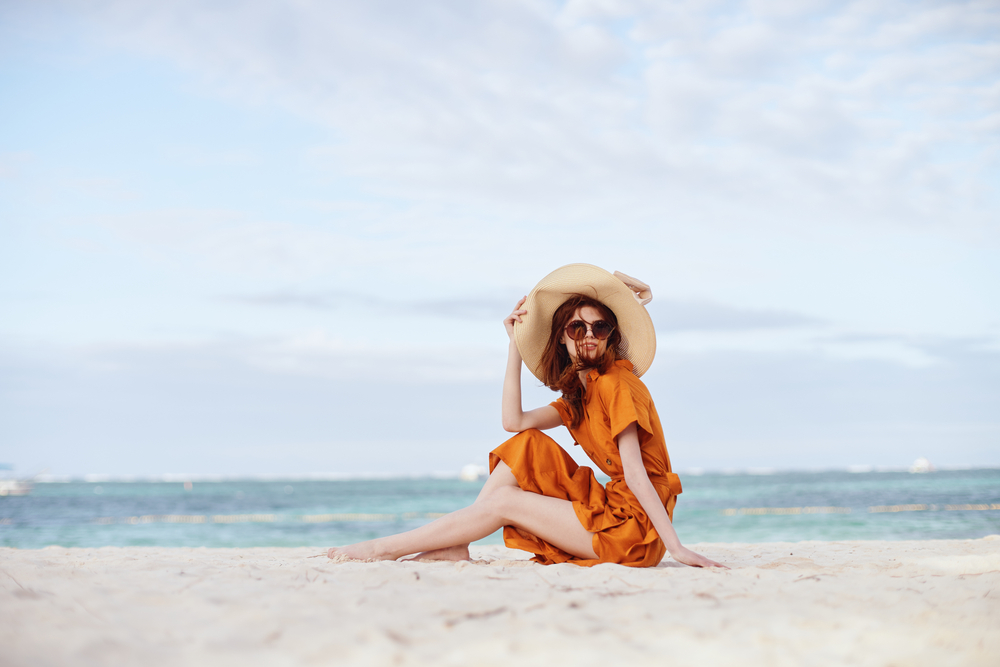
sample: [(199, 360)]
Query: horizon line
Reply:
[(47, 478)]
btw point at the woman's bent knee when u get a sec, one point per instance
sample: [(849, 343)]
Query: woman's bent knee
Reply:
[(501, 477), (506, 503)]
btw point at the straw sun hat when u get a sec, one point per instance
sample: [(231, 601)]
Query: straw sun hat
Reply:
[(625, 296)]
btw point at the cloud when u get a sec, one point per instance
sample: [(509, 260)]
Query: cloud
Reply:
[(474, 308), (235, 241), (673, 316), (318, 354), (323, 300), (823, 341), (314, 353), (451, 142), (829, 113)]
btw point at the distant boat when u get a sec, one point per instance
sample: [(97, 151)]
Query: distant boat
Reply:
[(473, 472), (11, 486), (15, 487), (921, 465)]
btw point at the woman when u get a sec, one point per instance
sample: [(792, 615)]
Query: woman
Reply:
[(586, 333)]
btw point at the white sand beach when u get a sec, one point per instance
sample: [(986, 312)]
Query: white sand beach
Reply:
[(805, 603)]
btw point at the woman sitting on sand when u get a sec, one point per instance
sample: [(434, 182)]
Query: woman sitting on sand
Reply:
[(586, 333)]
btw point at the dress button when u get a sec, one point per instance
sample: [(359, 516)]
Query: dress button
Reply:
[(608, 461)]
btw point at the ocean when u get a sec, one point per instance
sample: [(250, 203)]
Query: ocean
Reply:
[(780, 506)]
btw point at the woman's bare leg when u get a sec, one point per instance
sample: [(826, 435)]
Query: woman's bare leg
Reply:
[(501, 476), (500, 503)]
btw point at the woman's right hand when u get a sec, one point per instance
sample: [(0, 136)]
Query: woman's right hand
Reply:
[(684, 555), (508, 322)]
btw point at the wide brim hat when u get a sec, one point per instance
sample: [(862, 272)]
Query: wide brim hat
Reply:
[(625, 296)]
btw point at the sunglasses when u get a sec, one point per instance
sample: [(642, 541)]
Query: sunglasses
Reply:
[(577, 329)]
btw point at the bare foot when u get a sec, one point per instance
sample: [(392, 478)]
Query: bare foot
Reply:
[(457, 552), (362, 551)]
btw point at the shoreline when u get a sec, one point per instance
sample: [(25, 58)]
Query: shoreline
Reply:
[(872, 602)]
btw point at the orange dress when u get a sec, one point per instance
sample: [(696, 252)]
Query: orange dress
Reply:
[(623, 533)]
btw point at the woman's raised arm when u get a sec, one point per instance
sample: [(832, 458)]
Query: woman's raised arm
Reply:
[(513, 418), (637, 479)]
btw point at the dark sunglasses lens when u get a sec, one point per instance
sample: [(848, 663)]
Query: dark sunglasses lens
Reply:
[(576, 330), (602, 329)]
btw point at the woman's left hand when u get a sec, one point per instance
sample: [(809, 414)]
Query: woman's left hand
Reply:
[(515, 316), (688, 557)]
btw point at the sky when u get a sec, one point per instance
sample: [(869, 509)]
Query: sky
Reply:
[(249, 238)]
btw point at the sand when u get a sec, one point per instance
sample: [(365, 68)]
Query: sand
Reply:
[(806, 603)]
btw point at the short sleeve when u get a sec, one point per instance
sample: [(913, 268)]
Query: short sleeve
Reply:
[(564, 412), (626, 404)]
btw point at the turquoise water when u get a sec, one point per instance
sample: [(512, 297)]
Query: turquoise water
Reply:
[(713, 508)]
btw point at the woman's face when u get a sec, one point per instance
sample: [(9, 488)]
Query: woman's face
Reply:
[(589, 349)]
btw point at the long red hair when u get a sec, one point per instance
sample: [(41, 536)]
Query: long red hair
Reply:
[(559, 373)]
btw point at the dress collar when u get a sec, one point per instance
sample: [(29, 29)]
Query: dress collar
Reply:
[(593, 374)]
